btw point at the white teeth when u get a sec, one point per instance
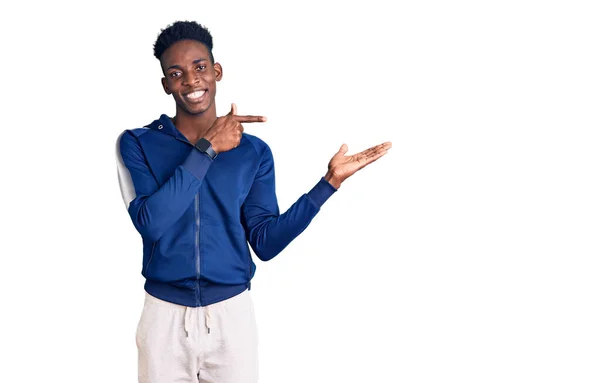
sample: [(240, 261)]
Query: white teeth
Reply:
[(195, 95)]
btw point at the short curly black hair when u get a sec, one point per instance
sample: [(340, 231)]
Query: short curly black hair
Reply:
[(183, 30)]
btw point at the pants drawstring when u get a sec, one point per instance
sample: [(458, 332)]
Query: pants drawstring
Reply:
[(188, 314), (186, 322), (207, 318)]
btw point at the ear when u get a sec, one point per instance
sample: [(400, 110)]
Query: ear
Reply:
[(165, 86), (218, 71)]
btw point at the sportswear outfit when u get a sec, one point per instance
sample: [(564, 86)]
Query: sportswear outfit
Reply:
[(196, 216)]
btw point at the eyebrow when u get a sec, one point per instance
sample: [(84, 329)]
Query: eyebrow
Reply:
[(179, 67)]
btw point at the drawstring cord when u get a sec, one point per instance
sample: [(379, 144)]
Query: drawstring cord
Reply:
[(186, 322), (207, 318), (187, 316)]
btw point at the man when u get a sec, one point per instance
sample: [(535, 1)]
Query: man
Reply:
[(199, 190)]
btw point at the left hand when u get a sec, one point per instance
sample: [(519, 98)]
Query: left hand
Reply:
[(342, 166)]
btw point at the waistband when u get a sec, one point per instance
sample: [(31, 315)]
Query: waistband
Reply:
[(204, 293)]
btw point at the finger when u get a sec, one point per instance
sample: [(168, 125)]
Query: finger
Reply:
[(384, 146), (377, 153), (250, 118), (373, 158), (343, 149), (370, 154), (233, 110)]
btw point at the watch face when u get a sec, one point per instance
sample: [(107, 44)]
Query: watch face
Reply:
[(203, 144)]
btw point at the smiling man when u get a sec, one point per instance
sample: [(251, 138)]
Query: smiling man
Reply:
[(200, 191)]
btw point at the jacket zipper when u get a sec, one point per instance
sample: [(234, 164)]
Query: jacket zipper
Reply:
[(197, 239)]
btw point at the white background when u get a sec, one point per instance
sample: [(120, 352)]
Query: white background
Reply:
[(470, 253)]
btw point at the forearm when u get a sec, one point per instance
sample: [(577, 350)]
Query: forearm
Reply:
[(154, 211), (153, 215), (270, 234)]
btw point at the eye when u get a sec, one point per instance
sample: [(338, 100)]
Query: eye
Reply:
[(201, 67), (174, 74)]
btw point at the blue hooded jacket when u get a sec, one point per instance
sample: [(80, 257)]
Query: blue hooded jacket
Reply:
[(196, 216)]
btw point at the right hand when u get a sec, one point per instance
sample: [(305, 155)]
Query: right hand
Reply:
[(226, 132)]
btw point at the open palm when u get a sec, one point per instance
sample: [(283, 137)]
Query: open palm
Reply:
[(342, 166)]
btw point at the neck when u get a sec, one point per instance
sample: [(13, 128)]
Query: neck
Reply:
[(194, 127)]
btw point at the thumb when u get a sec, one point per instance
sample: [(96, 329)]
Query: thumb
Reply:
[(233, 110), (343, 149)]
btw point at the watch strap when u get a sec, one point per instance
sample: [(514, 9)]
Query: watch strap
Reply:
[(205, 147)]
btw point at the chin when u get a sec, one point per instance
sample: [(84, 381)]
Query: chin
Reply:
[(194, 110), (198, 111)]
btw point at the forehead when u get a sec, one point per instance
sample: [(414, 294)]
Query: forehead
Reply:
[(183, 53)]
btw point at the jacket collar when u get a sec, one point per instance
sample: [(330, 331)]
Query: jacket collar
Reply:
[(165, 125)]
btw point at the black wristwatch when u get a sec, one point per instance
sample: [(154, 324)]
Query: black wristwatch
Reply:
[(205, 147)]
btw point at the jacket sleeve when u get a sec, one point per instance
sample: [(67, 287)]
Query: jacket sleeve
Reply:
[(267, 231), (154, 208)]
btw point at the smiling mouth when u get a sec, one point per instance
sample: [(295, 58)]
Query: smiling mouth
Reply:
[(195, 96)]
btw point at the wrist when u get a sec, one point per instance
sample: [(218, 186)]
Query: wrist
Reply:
[(205, 146), (213, 145), (335, 181)]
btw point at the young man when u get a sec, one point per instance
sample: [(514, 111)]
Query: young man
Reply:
[(199, 190)]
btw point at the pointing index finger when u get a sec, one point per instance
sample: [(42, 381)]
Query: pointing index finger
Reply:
[(250, 118)]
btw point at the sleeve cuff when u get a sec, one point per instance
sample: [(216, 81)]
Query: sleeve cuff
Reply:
[(197, 163), (321, 192)]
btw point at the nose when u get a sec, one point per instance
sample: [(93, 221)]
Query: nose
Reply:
[(190, 77)]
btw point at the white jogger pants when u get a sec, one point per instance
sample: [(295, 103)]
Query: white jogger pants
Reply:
[(211, 344)]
